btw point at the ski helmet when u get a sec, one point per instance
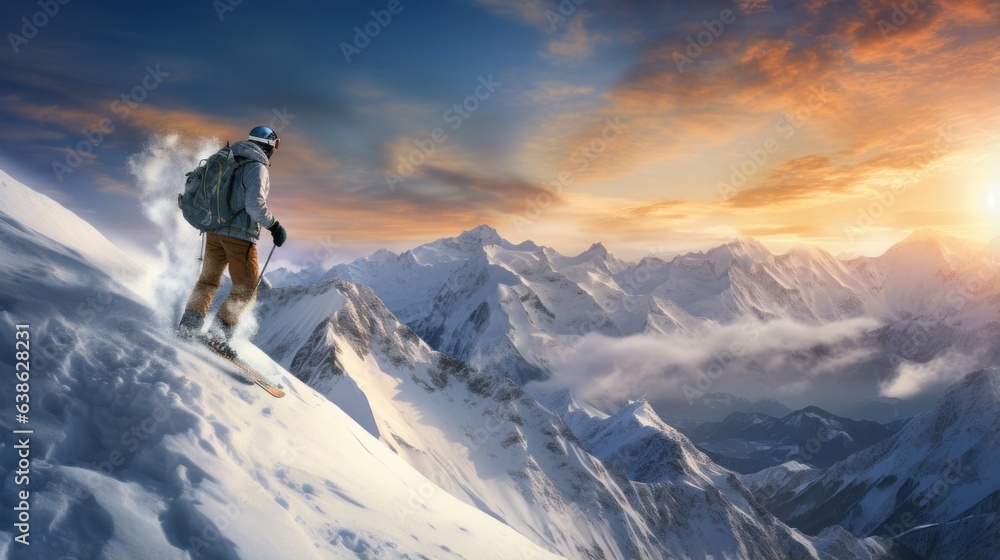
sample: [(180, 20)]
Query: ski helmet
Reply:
[(264, 137)]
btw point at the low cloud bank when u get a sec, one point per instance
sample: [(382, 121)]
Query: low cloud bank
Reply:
[(781, 359)]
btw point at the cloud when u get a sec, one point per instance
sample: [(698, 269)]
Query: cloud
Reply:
[(531, 12), (876, 107), (646, 215), (797, 230), (913, 379), (577, 41), (551, 91), (778, 359)]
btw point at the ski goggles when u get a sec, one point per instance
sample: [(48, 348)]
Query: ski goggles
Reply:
[(273, 142)]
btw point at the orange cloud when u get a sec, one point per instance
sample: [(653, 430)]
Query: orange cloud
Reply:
[(746, 79), (797, 230)]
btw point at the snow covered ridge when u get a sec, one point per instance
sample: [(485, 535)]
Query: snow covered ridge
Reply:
[(905, 324), (933, 486), (51, 219), (143, 447)]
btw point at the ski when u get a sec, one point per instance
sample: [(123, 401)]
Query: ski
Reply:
[(243, 373), (264, 384)]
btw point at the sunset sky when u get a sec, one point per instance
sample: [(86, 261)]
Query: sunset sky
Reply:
[(649, 126)]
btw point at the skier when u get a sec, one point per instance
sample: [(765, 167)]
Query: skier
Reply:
[(235, 246)]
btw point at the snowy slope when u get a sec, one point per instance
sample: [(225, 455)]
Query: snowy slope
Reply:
[(144, 448), (941, 467), (480, 437), (46, 216)]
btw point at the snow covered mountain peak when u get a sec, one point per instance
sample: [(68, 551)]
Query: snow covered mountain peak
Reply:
[(978, 393), (929, 243), (482, 236), (449, 250), (804, 252), (641, 412), (742, 251), (383, 255), (486, 441), (744, 246)]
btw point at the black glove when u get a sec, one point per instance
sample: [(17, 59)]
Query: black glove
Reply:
[(278, 233)]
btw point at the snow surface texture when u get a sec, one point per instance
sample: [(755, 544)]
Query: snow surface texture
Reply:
[(482, 438), (145, 448)]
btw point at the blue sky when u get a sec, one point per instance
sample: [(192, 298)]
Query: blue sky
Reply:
[(663, 178)]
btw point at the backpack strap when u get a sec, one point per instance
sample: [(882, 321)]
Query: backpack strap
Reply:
[(240, 162)]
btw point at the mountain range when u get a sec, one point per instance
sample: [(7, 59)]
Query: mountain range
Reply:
[(934, 486), (750, 441), (929, 303), (482, 438), (389, 445)]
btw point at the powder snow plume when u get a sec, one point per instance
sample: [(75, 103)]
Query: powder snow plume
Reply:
[(159, 170)]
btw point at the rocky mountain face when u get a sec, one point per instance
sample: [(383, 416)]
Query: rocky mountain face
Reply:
[(522, 309), (481, 438), (937, 474), (505, 311)]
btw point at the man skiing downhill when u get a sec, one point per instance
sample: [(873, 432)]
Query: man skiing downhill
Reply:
[(234, 245)]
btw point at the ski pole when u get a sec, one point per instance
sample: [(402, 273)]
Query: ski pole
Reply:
[(261, 277)]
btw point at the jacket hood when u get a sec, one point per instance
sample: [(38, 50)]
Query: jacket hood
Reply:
[(249, 150)]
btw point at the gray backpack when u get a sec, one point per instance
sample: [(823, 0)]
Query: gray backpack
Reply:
[(205, 201)]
